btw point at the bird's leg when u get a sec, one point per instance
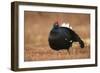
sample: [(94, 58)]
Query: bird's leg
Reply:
[(68, 51), (71, 41)]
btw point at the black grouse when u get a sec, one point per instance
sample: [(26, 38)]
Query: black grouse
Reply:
[(63, 37)]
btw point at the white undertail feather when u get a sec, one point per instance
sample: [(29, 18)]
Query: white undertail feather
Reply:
[(66, 25)]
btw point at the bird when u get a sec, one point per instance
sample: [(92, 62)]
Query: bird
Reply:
[(62, 37)]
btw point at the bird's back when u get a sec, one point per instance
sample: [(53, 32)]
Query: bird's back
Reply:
[(59, 38)]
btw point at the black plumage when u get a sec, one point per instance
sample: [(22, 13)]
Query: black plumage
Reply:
[(63, 37)]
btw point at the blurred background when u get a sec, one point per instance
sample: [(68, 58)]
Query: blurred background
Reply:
[(37, 28)]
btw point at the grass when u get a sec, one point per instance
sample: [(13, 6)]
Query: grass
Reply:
[(46, 53)]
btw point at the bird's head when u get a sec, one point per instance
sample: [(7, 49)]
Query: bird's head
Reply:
[(56, 25)]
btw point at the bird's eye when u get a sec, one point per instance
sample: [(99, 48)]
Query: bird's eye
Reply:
[(65, 38)]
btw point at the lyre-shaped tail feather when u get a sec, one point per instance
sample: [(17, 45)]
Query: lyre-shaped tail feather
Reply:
[(81, 44)]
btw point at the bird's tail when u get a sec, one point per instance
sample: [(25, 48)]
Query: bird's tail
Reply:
[(81, 44)]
